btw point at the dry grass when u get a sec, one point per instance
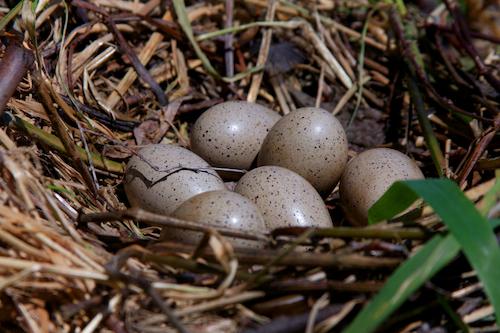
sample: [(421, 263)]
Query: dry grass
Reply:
[(73, 258)]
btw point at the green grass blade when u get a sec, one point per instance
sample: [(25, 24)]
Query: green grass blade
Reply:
[(54, 142), (410, 276), (490, 199), (241, 75), (410, 31), (394, 201), (294, 24), (452, 314), (62, 50), (469, 227), (361, 64), (469, 231), (494, 223), (13, 13), (425, 124), (401, 7), (62, 189), (180, 10)]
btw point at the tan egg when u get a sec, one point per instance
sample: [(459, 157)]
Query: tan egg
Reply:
[(311, 142), (230, 134), (366, 178), (162, 192), (218, 209), (284, 198)]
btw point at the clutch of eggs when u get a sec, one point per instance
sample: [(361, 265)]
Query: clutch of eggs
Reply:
[(301, 157)]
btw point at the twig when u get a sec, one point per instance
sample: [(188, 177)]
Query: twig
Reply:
[(155, 255), (89, 157), (60, 129), (421, 75), (140, 69), (72, 47), (462, 33), (412, 67), (263, 52), (144, 57), (228, 41), (139, 215), (305, 235), (473, 34), (163, 307), (113, 267), (264, 256), (449, 66), (299, 11), (346, 232), (318, 305), (308, 286), (309, 34), (477, 152), (121, 123), (295, 323), (205, 104)]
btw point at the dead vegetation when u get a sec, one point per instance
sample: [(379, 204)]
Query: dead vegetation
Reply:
[(85, 83)]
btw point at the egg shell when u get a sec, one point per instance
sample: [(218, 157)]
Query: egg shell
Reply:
[(162, 192), (284, 198), (218, 209), (366, 178), (230, 134), (311, 142)]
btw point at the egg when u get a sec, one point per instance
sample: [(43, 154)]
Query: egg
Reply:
[(284, 198), (230, 134), (162, 192), (366, 178), (218, 209), (311, 142)]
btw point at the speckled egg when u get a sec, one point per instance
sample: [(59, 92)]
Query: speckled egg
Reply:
[(218, 209), (284, 198), (162, 192), (311, 142), (230, 134), (366, 178)]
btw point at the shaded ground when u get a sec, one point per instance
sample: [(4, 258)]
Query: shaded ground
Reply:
[(74, 257)]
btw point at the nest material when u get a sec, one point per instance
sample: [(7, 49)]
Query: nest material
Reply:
[(73, 257)]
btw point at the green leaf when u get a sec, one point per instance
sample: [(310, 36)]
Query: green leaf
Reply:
[(393, 202), (61, 189), (410, 276), (54, 142), (463, 5), (490, 199), (469, 231), (14, 11), (467, 63), (294, 24), (180, 10), (241, 75), (361, 62), (452, 314)]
